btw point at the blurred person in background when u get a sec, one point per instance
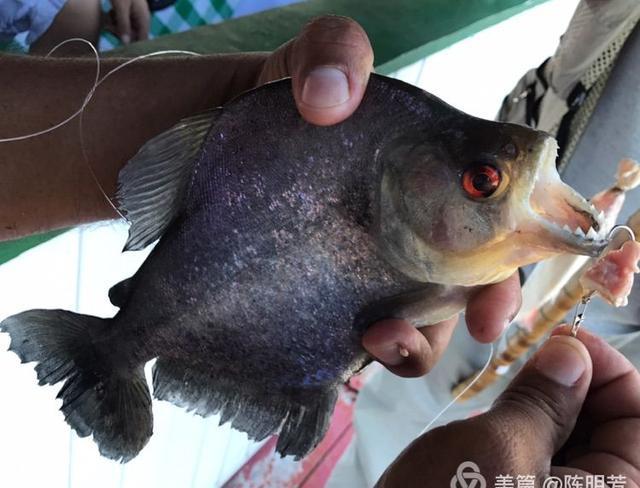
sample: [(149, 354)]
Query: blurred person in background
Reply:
[(50, 22)]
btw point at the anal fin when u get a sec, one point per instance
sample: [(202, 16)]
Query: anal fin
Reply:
[(301, 418)]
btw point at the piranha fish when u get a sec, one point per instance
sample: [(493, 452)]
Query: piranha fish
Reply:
[(280, 241)]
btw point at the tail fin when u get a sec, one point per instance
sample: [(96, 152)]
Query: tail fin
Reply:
[(114, 406)]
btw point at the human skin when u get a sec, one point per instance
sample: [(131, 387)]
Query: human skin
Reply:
[(128, 19), (47, 184), (574, 409)]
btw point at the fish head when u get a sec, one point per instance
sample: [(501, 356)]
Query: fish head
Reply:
[(471, 203)]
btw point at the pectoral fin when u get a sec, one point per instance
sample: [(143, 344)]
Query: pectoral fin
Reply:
[(427, 306), (151, 186)]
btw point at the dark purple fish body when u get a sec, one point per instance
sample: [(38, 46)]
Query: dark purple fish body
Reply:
[(279, 243), (257, 285)]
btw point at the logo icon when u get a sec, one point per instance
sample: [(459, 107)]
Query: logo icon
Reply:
[(552, 482), (468, 476)]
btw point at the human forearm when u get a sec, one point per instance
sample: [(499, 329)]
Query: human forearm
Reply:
[(46, 183)]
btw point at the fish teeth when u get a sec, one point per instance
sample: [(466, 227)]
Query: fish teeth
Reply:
[(592, 234), (567, 228), (601, 216), (579, 232)]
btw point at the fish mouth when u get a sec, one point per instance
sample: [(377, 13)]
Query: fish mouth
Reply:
[(563, 219)]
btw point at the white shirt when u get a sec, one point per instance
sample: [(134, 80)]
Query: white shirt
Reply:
[(31, 16)]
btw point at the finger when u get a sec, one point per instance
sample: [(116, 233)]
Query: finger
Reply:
[(562, 471), (329, 62), (141, 19), (613, 409), (405, 350), (123, 21), (613, 448), (434, 458), (538, 410), (614, 377), (493, 308)]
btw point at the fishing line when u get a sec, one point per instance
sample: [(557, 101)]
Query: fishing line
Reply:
[(80, 112), (84, 103), (459, 395), (81, 116)]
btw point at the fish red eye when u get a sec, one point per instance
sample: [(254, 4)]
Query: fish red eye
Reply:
[(481, 181)]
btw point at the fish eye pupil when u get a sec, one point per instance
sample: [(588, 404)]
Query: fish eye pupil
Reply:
[(481, 181)]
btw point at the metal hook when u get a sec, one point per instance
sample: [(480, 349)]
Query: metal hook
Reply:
[(578, 318), (581, 307), (617, 228)]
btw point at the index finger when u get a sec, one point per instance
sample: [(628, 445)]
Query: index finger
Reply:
[(141, 19), (122, 12)]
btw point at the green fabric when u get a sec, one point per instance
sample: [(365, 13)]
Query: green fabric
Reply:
[(181, 16), (11, 249), (401, 32), (12, 47)]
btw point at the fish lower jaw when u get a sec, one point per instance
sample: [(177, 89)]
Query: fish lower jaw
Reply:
[(575, 240)]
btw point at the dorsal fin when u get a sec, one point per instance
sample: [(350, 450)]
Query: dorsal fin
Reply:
[(152, 183)]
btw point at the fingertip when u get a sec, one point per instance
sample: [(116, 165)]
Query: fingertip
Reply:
[(562, 329), (491, 310), (563, 359), (545, 398), (594, 344), (143, 22), (405, 350), (123, 24), (325, 93), (398, 346), (608, 362), (124, 31), (331, 61), (330, 94)]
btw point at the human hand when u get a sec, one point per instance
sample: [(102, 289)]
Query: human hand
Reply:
[(488, 313), (329, 63), (573, 410), (130, 20)]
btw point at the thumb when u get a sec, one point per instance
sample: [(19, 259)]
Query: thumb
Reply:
[(539, 409), (330, 65)]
